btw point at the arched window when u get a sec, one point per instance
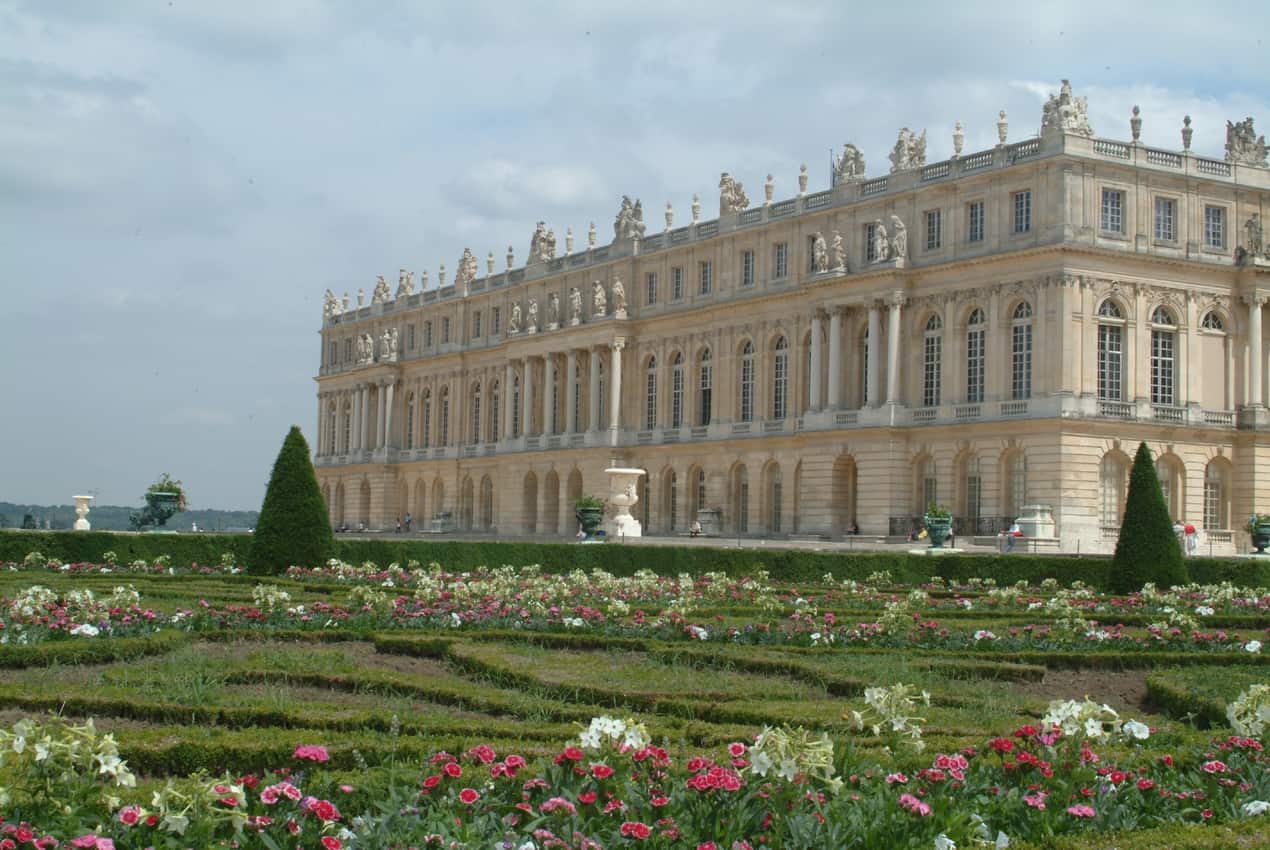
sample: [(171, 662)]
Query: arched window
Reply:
[(427, 419), (515, 403), (348, 428), (1163, 363), (705, 391), (1213, 322), (928, 494), (971, 492), (864, 367), (495, 408), (476, 413), (932, 354), (1111, 486), (1016, 484), (747, 382), (780, 380), (444, 437), (1021, 351), (701, 489), (410, 421), (672, 501), (1110, 355), (650, 394), (677, 391), (1216, 506), (1172, 476), (774, 499), (975, 360)]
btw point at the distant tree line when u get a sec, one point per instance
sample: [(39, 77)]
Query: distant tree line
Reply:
[(116, 517)]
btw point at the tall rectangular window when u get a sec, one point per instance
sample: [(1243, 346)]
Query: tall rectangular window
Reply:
[(974, 365), (1112, 211), (496, 321), (427, 334), (930, 371), (1110, 362), (445, 329), (747, 268), (676, 395), (676, 283), (934, 229), (706, 394), (1023, 211), (743, 506), (974, 221), (870, 231), (706, 276), (348, 350), (1166, 219), (333, 350), (1162, 368), (410, 337), (650, 288), (780, 260), (476, 325), (1021, 361), (747, 389), (780, 386), (1215, 227)]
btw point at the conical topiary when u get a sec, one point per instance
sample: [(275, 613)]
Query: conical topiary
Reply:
[(293, 526), (1148, 550)]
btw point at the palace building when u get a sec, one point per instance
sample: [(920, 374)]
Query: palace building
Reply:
[(991, 332)]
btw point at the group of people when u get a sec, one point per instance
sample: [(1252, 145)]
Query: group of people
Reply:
[(1186, 535), (409, 520)]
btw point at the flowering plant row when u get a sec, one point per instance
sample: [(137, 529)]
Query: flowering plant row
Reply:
[(1082, 768)]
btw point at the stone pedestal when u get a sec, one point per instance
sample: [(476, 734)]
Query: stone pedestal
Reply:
[(623, 493), (1036, 521), (81, 511), (710, 521)]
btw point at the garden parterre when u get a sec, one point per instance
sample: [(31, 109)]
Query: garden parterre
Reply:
[(360, 706)]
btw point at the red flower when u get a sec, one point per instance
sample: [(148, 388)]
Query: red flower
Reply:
[(586, 797), (326, 810), (469, 795), (432, 781), (635, 829), (330, 842), (312, 752), (453, 771), (601, 771)]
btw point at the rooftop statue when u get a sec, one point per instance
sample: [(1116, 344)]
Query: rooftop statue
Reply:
[(466, 272), (909, 151), (330, 305), (542, 245), (1066, 113), (629, 223), (849, 166), (1243, 145), (381, 294), (732, 198)]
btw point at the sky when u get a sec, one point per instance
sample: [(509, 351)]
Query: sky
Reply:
[(181, 181)]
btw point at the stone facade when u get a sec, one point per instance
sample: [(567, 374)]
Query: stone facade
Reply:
[(995, 330)]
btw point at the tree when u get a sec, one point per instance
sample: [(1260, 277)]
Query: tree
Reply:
[(293, 526), (1147, 550)]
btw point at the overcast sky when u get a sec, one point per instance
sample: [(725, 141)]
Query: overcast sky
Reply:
[(180, 181)]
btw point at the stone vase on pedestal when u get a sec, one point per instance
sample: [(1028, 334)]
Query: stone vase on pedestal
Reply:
[(937, 527), (81, 511), (623, 493)]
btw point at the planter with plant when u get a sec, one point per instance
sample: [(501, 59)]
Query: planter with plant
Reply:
[(589, 511), (1258, 528), (938, 524)]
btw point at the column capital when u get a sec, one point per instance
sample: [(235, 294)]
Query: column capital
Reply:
[(896, 298), (1255, 298), (618, 343)]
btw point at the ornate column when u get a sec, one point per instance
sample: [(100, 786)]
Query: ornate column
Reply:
[(893, 349), (1254, 301), (389, 388), (813, 398), (570, 390), (382, 419), (527, 398), (549, 384), (835, 359), (615, 390), (507, 402), (593, 396), (872, 352)]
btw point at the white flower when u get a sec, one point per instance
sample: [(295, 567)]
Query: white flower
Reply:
[(86, 630), (1204, 611), (761, 763), (984, 634), (1252, 646), (1093, 728), (1003, 841), (788, 770), (943, 842), (1136, 729), (1256, 807)]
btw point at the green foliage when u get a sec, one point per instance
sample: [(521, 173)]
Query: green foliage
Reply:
[(935, 511), (588, 502), (1148, 550), (293, 527)]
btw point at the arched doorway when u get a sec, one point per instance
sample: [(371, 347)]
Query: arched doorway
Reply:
[(529, 503), (842, 495), (551, 503), (363, 504), (467, 500), (487, 504)]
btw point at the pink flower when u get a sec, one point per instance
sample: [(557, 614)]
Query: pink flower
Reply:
[(914, 805), (130, 815), (635, 829), (312, 752), (1081, 811), (1213, 767), (330, 842), (469, 796)]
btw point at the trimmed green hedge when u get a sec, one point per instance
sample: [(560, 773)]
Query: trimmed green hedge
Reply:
[(1254, 832), (87, 651), (785, 565)]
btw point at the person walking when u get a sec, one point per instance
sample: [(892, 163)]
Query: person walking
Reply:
[(1014, 532), (409, 519)]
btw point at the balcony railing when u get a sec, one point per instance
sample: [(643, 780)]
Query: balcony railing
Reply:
[(1115, 409)]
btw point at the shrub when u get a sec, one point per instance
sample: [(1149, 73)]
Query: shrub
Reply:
[(293, 527), (1148, 550)]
